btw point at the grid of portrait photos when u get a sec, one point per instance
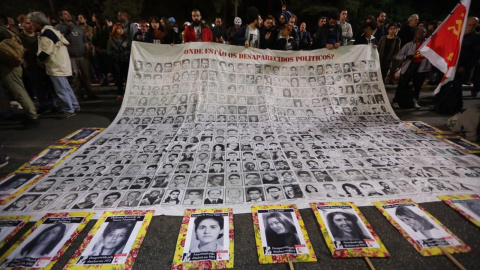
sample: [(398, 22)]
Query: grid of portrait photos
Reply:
[(212, 131), (420, 228)]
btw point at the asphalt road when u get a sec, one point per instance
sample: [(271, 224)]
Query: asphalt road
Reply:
[(159, 245)]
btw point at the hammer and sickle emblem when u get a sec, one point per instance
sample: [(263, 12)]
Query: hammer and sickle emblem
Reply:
[(450, 57), (458, 29)]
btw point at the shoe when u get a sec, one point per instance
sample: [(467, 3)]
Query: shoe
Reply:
[(30, 123), (66, 115), (395, 105), (3, 161), (77, 110), (415, 105)]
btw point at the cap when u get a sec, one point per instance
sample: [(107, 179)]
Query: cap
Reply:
[(171, 19), (287, 14), (186, 24), (237, 21)]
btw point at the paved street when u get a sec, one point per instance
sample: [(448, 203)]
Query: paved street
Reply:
[(159, 245)]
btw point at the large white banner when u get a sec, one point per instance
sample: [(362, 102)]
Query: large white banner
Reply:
[(209, 125)]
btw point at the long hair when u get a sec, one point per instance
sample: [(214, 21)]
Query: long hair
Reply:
[(218, 219), (28, 247), (287, 223), (112, 226), (168, 199), (114, 31), (406, 212), (351, 186), (357, 232)]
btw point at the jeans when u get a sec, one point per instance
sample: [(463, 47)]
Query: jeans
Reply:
[(67, 101), (81, 76)]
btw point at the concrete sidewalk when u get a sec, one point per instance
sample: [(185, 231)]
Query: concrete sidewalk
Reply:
[(159, 245)]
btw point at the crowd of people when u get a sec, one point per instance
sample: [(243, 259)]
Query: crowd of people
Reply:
[(62, 59)]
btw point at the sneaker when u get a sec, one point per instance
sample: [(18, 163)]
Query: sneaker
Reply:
[(395, 105), (415, 105), (66, 115), (3, 161)]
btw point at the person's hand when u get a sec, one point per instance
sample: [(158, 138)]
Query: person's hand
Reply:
[(247, 44), (267, 35), (336, 46), (329, 46), (375, 46), (172, 44), (220, 40), (139, 37), (284, 7)]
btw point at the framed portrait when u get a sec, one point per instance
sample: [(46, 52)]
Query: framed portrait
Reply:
[(49, 158), (205, 240), (10, 225), (467, 205), (346, 231), (81, 136), (46, 241), (423, 127), (113, 242), (421, 229), (280, 235), (461, 143), (17, 182)]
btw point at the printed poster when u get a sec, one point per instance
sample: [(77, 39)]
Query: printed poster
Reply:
[(49, 158), (15, 183), (10, 225), (43, 245), (113, 242), (462, 143), (281, 235), (423, 127), (467, 205), (346, 231), (420, 228), (81, 136), (205, 240)]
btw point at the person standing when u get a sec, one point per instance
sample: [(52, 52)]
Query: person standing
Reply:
[(367, 38), (101, 34), (219, 32), (52, 51), (388, 47), (304, 37), (35, 78), (118, 47), (469, 57), (77, 51), (128, 28), (407, 32), (268, 33), (329, 35), (11, 77), (347, 31), (249, 34), (382, 30), (415, 69), (197, 31)]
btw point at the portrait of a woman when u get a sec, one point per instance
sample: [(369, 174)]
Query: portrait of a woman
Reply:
[(415, 221), (113, 239), (208, 231), (44, 242), (280, 230), (344, 226)]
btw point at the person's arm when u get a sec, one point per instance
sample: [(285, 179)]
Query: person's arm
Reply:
[(402, 54), (349, 32), (239, 37), (46, 45)]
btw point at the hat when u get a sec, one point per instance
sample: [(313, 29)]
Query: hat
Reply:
[(287, 14), (186, 24), (171, 19), (237, 21)]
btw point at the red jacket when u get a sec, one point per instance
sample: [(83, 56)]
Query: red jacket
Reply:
[(190, 35)]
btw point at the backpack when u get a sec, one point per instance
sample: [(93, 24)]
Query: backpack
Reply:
[(11, 50), (446, 100)]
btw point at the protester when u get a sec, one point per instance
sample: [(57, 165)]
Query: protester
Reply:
[(382, 30), (141, 33), (11, 77), (77, 50), (286, 42), (388, 47), (347, 31), (158, 32), (237, 23), (268, 33), (219, 31), (468, 59), (54, 54), (129, 28), (329, 35), (305, 40), (414, 69), (197, 31), (367, 38), (407, 31), (100, 37), (118, 47), (249, 35)]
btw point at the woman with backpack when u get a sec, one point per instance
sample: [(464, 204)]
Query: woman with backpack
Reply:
[(118, 47)]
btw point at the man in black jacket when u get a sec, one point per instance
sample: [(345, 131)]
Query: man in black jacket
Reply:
[(329, 35)]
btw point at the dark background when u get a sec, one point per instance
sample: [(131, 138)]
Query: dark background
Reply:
[(306, 10)]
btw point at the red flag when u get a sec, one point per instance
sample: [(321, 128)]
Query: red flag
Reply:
[(443, 47)]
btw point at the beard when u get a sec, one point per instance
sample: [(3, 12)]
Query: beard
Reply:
[(196, 22)]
